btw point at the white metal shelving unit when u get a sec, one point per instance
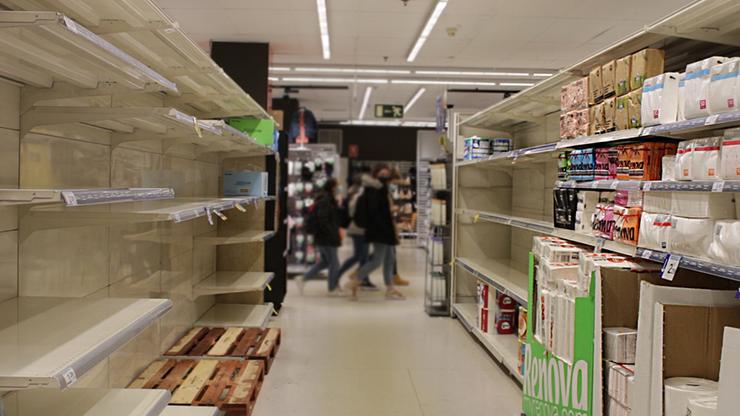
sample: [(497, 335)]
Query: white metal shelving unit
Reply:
[(236, 315), (93, 402), (241, 238), (79, 197), (51, 342), (223, 282)]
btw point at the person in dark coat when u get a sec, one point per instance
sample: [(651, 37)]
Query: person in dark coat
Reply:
[(325, 219), (373, 213)]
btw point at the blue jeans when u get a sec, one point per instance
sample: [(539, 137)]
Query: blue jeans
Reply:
[(360, 254), (329, 259), (385, 255)]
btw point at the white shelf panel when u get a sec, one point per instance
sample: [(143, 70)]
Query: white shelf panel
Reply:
[(656, 186), (92, 402), (241, 238), (50, 342), (78, 197), (500, 275), (713, 268), (505, 348), (233, 282), (140, 28), (226, 315), (191, 411), (41, 48)]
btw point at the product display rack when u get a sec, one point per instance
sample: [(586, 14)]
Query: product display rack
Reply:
[(436, 234), (502, 201)]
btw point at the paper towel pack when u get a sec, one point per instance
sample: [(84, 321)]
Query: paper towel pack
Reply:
[(668, 168), (657, 202), (703, 406), (620, 345), (627, 198), (678, 391), (681, 114), (684, 157), (552, 272), (715, 205), (560, 253), (706, 158), (539, 242), (726, 242), (660, 99), (691, 236), (613, 408), (618, 383), (655, 231), (723, 86), (697, 80), (730, 164)]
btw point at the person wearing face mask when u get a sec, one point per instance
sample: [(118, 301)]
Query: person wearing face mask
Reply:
[(323, 221), (373, 213)]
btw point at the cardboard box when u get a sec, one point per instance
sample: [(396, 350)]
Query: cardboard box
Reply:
[(595, 87), (645, 64), (245, 183), (621, 115), (622, 75), (609, 78), (610, 109), (599, 118), (634, 108)]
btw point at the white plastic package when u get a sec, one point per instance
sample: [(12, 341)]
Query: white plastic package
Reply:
[(657, 202), (660, 99), (668, 171), (655, 231), (696, 99), (679, 391), (681, 114), (723, 86), (730, 163), (684, 155), (705, 159), (725, 242), (620, 345), (691, 236), (715, 205)]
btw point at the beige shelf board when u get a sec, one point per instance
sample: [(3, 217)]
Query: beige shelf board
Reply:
[(92, 402), (505, 348), (223, 282), (79, 197), (499, 274), (51, 342), (43, 47), (191, 411), (236, 315), (241, 238)]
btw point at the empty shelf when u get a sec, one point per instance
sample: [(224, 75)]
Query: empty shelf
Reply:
[(505, 348), (51, 342), (500, 275), (225, 315), (74, 197), (40, 48), (233, 282), (191, 411), (92, 402), (241, 238)]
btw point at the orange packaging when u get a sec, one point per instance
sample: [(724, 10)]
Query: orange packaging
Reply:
[(645, 160), (624, 153), (627, 224)]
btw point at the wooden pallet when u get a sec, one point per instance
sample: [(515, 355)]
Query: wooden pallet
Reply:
[(229, 343), (230, 385)]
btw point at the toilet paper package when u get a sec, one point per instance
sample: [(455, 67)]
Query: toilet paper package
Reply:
[(560, 253), (539, 242), (634, 108), (595, 87), (607, 197), (627, 224), (609, 78), (706, 158), (697, 80), (582, 122), (582, 164), (703, 406), (725, 242), (645, 64), (621, 114), (622, 75), (668, 168), (613, 408), (723, 86), (646, 158), (610, 108), (660, 99), (714, 205), (624, 153), (681, 114), (603, 223), (655, 231), (730, 158), (620, 345), (691, 236), (684, 156), (629, 199), (552, 272), (606, 163), (678, 391), (618, 382)]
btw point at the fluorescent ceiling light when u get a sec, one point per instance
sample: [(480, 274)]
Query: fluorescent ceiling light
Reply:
[(516, 84), (438, 9), (365, 102), (336, 80), (279, 68), (273, 79), (413, 99), (474, 73), (436, 82), (353, 70), (324, 27), (542, 74), (389, 123)]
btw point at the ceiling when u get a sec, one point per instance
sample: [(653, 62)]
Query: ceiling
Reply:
[(530, 34)]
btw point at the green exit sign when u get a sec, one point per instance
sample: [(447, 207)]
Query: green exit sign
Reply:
[(388, 111)]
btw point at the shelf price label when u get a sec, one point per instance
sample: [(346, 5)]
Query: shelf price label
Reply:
[(647, 254), (670, 267), (599, 245), (69, 198), (476, 218), (718, 186), (646, 186), (69, 376), (711, 120)]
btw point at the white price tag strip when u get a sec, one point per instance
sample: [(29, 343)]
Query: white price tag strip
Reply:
[(209, 216), (670, 267), (69, 376), (718, 186), (594, 185), (711, 120), (69, 198), (614, 185), (240, 207), (646, 186), (647, 131), (220, 215), (599, 245), (646, 254), (196, 126)]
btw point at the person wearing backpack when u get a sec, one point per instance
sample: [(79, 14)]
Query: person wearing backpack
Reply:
[(324, 219), (373, 213)]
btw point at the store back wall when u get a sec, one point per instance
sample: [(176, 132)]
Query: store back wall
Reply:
[(378, 143)]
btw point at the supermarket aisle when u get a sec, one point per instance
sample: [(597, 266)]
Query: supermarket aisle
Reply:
[(380, 358)]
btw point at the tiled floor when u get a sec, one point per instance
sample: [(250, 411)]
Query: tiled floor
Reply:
[(380, 358)]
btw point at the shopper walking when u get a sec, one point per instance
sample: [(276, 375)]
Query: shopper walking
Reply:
[(373, 213), (360, 247), (323, 221)]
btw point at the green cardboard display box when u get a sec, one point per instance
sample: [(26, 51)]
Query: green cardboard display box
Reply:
[(263, 130)]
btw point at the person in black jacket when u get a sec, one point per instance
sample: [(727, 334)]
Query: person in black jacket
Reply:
[(325, 219), (373, 213)]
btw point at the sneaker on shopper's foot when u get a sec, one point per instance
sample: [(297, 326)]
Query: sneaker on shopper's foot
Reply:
[(337, 293), (394, 294), (399, 281), (368, 285), (353, 285), (300, 282)]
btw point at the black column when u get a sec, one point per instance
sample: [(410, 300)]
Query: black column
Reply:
[(247, 64)]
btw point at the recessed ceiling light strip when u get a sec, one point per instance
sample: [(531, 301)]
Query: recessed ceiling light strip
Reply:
[(365, 102), (473, 73), (353, 70), (413, 99), (437, 82), (336, 80), (438, 9), (324, 28)]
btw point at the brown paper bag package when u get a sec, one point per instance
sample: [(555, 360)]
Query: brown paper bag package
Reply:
[(621, 115), (595, 88), (622, 75), (645, 64), (610, 107), (608, 78), (634, 105)]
